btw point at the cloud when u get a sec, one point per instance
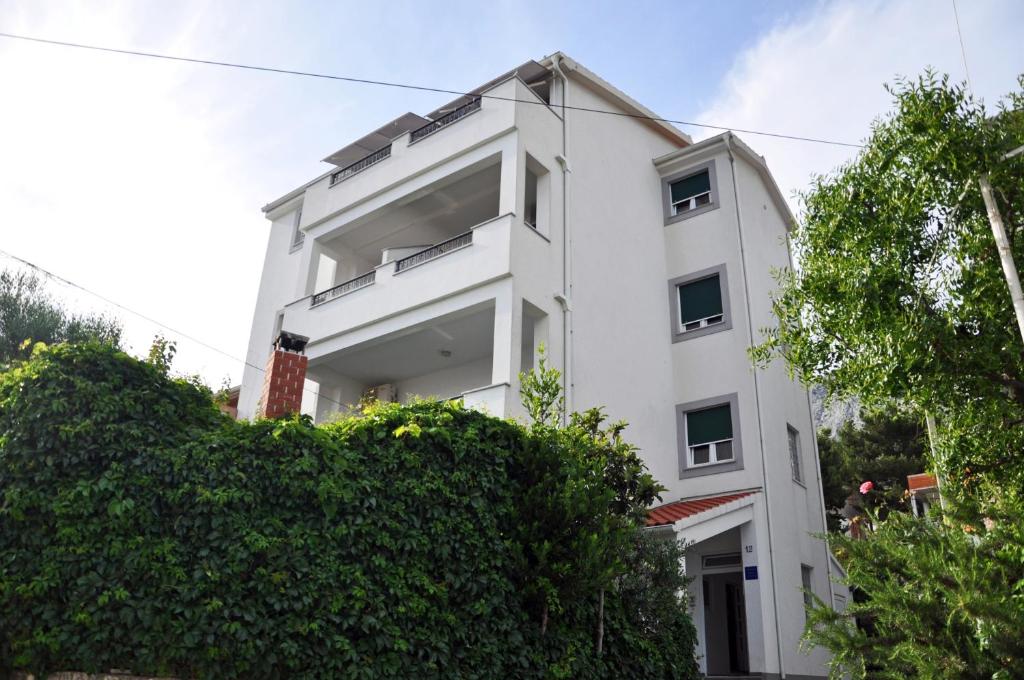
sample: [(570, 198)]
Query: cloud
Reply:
[(119, 173), (822, 74)]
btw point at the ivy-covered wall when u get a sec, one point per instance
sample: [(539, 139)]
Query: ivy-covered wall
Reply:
[(141, 529)]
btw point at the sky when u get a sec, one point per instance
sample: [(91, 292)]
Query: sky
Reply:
[(141, 180)]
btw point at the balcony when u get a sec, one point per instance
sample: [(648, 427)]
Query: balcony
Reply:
[(444, 121), (467, 261), (344, 288), (434, 252), (360, 165), (387, 160), (448, 357)]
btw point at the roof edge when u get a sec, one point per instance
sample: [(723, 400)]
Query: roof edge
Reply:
[(730, 141), (631, 105)]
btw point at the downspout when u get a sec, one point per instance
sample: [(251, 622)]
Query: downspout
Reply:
[(757, 404), (565, 298)]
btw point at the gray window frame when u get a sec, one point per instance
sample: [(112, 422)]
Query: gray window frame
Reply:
[(685, 470), (799, 455), (666, 192), (807, 586), (677, 332)]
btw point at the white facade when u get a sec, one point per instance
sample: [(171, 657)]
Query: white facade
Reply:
[(554, 226)]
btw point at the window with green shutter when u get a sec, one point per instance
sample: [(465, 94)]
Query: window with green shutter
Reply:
[(709, 435), (700, 303), (690, 192)]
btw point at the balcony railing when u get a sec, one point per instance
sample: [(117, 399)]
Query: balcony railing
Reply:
[(460, 241), (344, 288), (444, 121), (360, 165)]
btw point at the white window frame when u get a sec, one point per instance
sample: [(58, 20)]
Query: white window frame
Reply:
[(712, 453), (691, 203), (707, 325), (707, 320), (713, 467), (796, 462), (713, 446)]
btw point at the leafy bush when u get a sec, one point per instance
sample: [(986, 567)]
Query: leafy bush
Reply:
[(141, 529), (936, 599)]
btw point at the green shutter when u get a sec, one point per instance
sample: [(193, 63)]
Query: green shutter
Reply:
[(700, 299), (691, 186), (709, 425)]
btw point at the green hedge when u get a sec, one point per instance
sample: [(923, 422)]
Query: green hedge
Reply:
[(141, 529)]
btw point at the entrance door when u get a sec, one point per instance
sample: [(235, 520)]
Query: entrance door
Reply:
[(725, 624), (736, 620)]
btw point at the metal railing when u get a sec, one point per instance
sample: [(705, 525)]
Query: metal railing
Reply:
[(360, 165), (444, 121), (460, 241), (344, 288)]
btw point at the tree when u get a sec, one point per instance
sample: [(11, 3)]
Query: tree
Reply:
[(883, 448), (937, 600), (28, 315), (899, 295), (900, 301)]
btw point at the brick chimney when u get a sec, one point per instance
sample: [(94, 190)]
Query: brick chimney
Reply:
[(284, 377)]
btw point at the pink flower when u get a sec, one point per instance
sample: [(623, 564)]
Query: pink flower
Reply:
[(866, 486)]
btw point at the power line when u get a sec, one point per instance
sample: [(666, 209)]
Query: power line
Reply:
[(50, 275), (963, 51), (421, 88)]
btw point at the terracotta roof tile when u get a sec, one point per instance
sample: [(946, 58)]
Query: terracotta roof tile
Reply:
[(670, 513), (921, 481)]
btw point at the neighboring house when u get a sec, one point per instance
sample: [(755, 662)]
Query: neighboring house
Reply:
[(442, 251), (924, 492)]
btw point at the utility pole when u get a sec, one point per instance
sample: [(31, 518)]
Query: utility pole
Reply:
[(1003, 244)]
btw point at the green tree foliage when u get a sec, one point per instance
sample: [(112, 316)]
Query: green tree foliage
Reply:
[(141, 529), (900, 300), (900, 296), (883, 448), (938, 600), (29, 315)]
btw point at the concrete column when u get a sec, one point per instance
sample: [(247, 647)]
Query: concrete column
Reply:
[(752, 597), (509, 198), (508, 325)]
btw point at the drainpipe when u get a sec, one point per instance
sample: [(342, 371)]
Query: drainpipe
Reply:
[(757, 404), (565, 298)]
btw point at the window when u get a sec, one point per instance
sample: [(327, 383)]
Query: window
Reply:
[(536, 196), (709, 435), (794, 453), (699, 304), (805, 580), (531, 199), (720, 561), (298, 236), (690, 192)]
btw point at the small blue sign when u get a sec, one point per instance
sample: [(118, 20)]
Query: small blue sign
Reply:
[(750, 573)]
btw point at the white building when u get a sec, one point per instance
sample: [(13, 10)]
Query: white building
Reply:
[(440, 252)]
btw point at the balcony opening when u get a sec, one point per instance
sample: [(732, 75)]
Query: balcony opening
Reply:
[(435, 218), (441, 360), (537, 195), (534, 334)]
